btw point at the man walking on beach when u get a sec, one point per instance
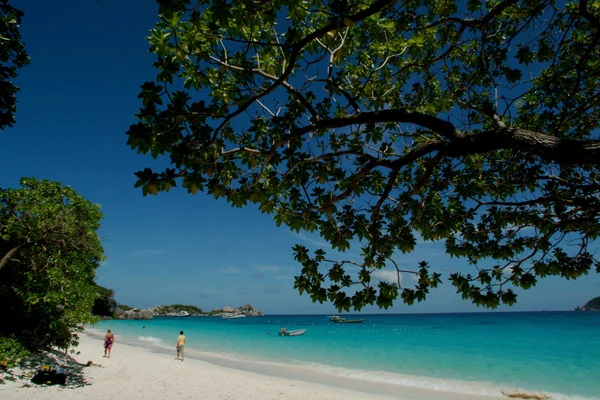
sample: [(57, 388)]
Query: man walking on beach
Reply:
[(180, 345)]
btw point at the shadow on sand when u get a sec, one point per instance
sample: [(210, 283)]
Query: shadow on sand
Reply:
[(27, 369)]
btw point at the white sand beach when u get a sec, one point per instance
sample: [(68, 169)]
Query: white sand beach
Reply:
[(138, 373)]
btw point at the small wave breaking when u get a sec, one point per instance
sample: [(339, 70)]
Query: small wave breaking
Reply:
[(150, 339), (438, 384)]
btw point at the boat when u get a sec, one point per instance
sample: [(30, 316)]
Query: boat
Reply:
[(182, 314), (232, 316), (297, 332), (340, 320), (177, 314)]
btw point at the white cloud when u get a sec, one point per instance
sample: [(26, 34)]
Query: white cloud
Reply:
[(143, 253), (508, 271), (230, 270), (386, 275)]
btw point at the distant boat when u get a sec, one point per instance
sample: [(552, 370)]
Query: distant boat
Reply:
[(297, 332), (178, 314), (233, 316), (340, 320)]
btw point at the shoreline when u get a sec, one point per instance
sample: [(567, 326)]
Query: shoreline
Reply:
[(367, 382), (147, 372), (302, 374)]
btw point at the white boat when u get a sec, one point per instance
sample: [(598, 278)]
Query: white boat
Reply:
[(232, 316), (183, 314), (297, 332), (177, 314)]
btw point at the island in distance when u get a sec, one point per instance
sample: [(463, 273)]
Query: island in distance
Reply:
[(180, 310), (592, 305)]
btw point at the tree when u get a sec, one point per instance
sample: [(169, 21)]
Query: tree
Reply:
[(377, 123), (12, 57), (50, 250), (105, 303)]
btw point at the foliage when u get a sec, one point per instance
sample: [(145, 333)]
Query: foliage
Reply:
[(381, 124), (192, 310), (11, 351), (593, 303), (105, 302), (49, 252), (12, 57)]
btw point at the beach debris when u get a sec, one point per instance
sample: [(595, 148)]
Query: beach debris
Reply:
[(527, 396), (91, 363)]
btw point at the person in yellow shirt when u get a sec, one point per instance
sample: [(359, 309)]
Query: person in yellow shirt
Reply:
[(180, 345)]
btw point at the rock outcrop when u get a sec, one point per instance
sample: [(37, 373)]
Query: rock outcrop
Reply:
[(133, 313), (178, 310), (592, 305), (247, 310)]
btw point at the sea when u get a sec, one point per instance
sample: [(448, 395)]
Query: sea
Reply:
[(548, 353)]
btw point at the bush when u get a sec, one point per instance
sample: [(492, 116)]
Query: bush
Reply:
[(11, 351)]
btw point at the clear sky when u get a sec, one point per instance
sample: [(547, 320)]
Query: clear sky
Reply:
[(79, 96)]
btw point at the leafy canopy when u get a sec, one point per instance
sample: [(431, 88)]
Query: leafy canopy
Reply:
[(377, 123), (12, 57), (49, 252)]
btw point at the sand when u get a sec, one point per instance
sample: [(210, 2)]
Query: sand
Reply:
[(139, 373)]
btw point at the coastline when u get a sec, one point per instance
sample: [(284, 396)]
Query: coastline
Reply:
[(151, 373), (474, 355)]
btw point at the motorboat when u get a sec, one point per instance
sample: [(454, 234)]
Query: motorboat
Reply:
[(339, 320), (232, 316), (296, 332)]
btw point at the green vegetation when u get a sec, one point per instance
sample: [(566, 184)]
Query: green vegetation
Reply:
[(125, 307), (11, 351), (177, 308), (105, 303), (49, 252), (593, 303), (380, 123), (12, 57)]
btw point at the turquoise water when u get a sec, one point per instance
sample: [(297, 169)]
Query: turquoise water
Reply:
[(479, 353)]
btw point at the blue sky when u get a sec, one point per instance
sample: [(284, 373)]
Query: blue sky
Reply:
[(79, 96)]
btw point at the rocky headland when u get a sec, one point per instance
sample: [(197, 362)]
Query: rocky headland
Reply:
[(181, 310), (592, 305)]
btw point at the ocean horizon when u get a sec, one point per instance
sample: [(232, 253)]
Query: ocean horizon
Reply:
[(556, 353)]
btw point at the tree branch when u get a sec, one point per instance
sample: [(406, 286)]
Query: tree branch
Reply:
[(552, 148), (9, 255)]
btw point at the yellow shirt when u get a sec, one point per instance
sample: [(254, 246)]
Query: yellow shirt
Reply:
[(180, 340)]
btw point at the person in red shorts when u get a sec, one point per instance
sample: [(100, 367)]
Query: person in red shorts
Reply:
[(109, 339)]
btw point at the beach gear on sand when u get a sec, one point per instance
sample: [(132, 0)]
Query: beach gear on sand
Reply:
[(50, 376)]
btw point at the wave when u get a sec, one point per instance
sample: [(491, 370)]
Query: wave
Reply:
[(151, 339), (412, 381), (438, 384), (456, 386)]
